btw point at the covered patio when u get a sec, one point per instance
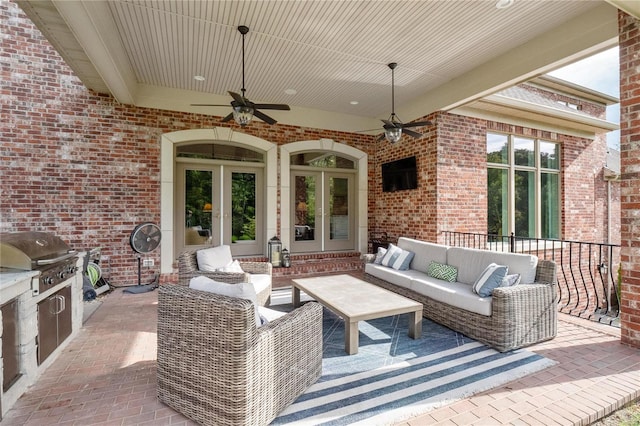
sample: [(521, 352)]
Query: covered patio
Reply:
[(91, 149), (107, 376)]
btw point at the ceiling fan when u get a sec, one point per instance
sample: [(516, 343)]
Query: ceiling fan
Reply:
[(393, 127), (243, 109)]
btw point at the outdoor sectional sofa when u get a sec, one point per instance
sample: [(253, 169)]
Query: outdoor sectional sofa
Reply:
[(511, 317)]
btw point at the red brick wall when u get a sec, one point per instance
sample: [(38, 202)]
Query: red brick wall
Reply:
[(584, 189), (461, 174), (451, 193), (629, 44), (409, 212)]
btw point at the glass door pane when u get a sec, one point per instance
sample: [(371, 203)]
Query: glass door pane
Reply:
[(199, 208), (243, 228), (306, 212), (339, 208), (243, 207), (338, 202)]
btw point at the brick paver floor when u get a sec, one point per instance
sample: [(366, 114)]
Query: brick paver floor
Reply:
[(106, 376)]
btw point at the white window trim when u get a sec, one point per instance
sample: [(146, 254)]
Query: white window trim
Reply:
[(362, 194), (168, 142)]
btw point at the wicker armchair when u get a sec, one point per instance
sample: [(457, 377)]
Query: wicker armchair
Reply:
[(217, 368), (188, 268)]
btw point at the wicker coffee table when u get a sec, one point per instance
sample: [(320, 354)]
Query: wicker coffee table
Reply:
[(355, 300)]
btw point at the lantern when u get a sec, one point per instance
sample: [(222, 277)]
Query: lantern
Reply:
[(286, 258), (275, 247)]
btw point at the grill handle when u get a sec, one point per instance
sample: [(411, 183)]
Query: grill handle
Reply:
[(44, 262)]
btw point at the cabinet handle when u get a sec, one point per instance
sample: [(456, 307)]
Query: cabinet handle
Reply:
[(53, 305), (62, 303)]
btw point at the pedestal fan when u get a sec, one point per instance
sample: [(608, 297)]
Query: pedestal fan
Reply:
[(144, 239)]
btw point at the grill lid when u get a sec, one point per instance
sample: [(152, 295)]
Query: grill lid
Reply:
[(32, 250)]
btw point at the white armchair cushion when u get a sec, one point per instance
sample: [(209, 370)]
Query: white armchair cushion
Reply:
[(260, 281), (241, 291), (267, 315), (232, 267), (214, 258)]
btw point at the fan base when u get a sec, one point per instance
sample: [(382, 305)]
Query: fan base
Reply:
[(140, 288)]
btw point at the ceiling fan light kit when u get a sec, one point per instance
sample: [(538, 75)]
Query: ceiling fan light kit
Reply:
[(393, 134), (393, 127), (242, 114), (243, 109)]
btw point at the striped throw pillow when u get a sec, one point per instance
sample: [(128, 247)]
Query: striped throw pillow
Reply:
[(397, 258), (489, 279)]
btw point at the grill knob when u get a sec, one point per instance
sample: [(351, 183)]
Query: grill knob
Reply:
[(48, 280), (61, 275)]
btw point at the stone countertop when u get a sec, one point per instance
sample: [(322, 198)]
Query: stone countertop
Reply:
[(14, 282), (9, 276)]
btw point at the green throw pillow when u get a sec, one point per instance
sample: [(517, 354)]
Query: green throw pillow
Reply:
[(442, 272)]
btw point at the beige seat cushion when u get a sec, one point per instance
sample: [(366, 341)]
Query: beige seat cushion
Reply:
[(240, 291)]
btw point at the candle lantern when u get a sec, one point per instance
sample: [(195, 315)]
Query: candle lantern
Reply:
[(275, 249), (286, 258)]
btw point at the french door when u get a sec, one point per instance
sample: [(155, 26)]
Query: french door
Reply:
[(219, 204), (323, 213)]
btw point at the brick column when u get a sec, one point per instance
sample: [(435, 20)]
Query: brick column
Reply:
[(629, 44)]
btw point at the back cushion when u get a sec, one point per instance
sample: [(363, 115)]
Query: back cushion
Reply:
[(213, 258), (472, 262), (424, 253)]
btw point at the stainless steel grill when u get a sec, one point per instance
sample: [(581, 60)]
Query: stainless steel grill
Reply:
[(38, 251)]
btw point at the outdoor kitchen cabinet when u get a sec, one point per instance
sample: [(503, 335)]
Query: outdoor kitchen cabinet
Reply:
[(54, 322), (9, 338)]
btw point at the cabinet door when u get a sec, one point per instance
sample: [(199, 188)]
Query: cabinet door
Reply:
[(54, 322), (47, 327), (64, 315), (10, 368)]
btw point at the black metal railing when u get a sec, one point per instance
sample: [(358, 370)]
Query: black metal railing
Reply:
[(588, 273)]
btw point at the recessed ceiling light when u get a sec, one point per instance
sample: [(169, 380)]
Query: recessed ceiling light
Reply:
[(354, 102), (503, 4), (198, 77), (291, 91)]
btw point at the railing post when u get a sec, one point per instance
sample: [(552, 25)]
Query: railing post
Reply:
[(512, 243)]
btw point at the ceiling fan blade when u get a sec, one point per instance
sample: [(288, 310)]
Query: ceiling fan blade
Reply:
[(391, 123), (264, 117), (282, 107), (417, 124), (227, 118), (239, 99), (412, 133), (213, 105)]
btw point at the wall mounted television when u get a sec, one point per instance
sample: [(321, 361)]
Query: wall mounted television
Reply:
[(400, 175)]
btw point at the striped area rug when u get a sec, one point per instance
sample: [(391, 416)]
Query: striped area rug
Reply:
[(394, 377)]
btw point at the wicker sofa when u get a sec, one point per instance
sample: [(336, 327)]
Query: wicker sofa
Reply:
[(258, 273), (217, 367), (512, 317)]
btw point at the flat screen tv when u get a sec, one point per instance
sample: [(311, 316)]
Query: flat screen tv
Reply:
[(399, 175)]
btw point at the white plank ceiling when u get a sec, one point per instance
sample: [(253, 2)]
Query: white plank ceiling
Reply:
[(329, 52)]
